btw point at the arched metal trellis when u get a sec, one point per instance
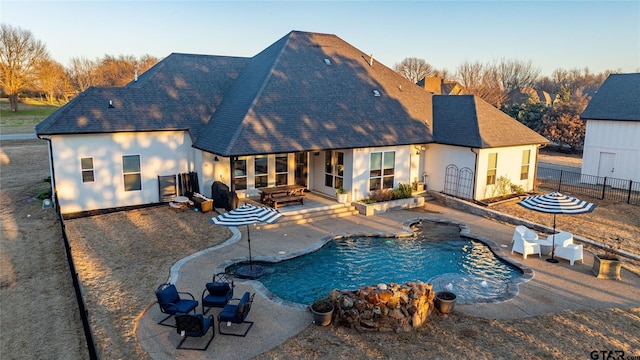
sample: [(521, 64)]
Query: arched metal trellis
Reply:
[(458, 182), (451, 180)]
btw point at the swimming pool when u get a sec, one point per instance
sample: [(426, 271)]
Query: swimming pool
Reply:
[(437, 254)]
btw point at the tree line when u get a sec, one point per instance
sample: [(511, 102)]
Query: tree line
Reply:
[(550, 105), (27, 69)]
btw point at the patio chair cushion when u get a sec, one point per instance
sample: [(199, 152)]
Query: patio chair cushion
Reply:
[(168, 295), (218, 289), (240, 309)]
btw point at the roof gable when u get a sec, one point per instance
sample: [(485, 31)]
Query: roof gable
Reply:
[(290, 99), (467, 120), (617, 99)]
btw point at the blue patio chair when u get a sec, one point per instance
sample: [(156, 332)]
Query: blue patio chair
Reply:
[(189, 325), (236, 314), (217, 293), (171, 303)]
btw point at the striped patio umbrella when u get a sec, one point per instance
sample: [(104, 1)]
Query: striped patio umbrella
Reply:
[(556, 203), (248, 214)]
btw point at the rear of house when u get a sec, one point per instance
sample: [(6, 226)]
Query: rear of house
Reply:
[(310, 110)]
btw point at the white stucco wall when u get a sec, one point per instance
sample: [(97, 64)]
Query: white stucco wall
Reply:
[(618, 141), (509, 163), (362, 165), (161, 153), (438, 157)]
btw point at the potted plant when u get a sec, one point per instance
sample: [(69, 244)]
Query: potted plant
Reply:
[(445, 301), (341, 194), (607, 264), (322, 311)]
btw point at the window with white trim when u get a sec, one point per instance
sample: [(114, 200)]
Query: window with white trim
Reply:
[(240, 174), (492, 168), (282, 169), (260, 171), (524, 169), (131, 173), (333, 169), (87, 169), (382, 170)]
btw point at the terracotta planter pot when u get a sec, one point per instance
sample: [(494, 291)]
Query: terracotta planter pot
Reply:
[(445, 301)]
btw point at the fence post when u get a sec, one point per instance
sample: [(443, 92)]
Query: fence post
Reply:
[(604, 186), (560, 181), (629, 192)]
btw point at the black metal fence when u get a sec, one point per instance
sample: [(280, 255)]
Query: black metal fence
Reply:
[(594, 186), (84, 313)]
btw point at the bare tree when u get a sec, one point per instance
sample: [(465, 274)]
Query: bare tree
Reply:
[(20, 54), (573, 80), (482, 81), (112, 71), (82, 73), (515, 74), (51, 79), (414, 69)]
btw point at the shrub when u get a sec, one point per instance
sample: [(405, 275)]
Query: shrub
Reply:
[(381, 195)]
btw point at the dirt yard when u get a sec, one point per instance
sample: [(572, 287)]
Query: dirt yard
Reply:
[(122, 257)]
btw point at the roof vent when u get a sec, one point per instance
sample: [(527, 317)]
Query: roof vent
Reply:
[(371, 60), (135, 75), (327, 61), (376, 92), (111, 103)]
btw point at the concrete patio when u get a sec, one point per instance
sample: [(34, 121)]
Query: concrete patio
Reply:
[(554, 288)]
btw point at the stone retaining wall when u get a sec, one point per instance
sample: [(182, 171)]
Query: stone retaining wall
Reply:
[(391, 307)]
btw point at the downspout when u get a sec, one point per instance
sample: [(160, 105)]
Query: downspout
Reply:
[(54, 192), (475, 177), (535, 168)]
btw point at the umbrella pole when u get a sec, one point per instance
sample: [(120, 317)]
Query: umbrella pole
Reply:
[(553, 243), (249, 241)]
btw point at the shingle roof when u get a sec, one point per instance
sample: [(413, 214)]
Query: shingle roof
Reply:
[(180, 92), (467, 120), (288, 99), (617, 99), (305, 92)]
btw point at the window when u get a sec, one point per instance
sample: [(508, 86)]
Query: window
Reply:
[(131, 172), (261, 171), (282, 169), (333, 169), (492, 168), (240, 174), (381, 175), (524, 169), (87, 169)]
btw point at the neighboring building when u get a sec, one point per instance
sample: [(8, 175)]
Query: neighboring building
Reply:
[(524, 94), (310, 109), (611, 144), (438, 86)]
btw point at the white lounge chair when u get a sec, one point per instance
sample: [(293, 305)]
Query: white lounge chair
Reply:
[(560, 238), (525, 233), (569, 251), (524, 247)]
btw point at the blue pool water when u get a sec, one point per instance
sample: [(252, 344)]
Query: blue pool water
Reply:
[(466, 267)]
